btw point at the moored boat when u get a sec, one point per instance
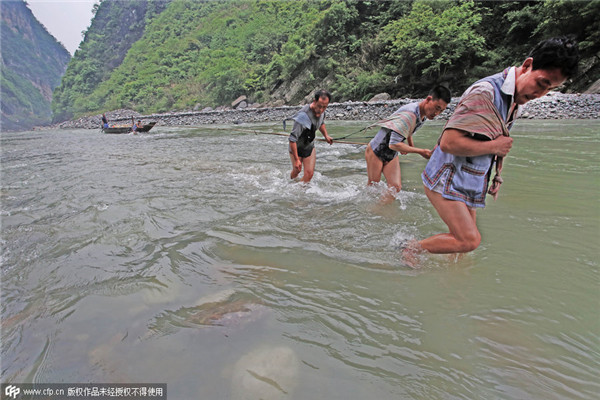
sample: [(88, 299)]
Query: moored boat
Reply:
[(146, 127), (128, 128), (117, 129)]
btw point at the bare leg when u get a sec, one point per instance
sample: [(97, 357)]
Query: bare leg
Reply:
[(390, 170), (460, 219), (374, 166), (309, 166), (393, 177)]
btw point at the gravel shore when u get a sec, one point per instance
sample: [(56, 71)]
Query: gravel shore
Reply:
[(551, 106)]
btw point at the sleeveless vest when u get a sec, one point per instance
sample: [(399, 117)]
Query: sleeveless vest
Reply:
[(405, 121)]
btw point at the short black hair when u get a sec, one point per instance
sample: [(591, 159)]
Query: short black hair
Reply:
[(441, 92), (322, 93), (558, 52)]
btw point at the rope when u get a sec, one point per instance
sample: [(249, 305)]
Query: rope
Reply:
[(319, 139), (354, 133), (336, 140)]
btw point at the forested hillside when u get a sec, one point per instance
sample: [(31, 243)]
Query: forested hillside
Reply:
[(207, 53), (116, 26), (31, 67)]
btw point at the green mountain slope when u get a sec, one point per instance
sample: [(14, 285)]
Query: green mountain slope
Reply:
[(115, 27), (210, 52), (32, 64), (215, 52)]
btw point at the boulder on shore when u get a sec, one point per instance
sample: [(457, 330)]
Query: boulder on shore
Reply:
[(237, 102), (380, 97), (594, 88)]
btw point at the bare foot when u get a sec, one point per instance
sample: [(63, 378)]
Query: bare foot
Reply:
[(411, 254), (389, 196)]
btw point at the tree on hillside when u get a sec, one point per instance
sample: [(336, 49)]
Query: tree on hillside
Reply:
[(581, 20), (435, 42)]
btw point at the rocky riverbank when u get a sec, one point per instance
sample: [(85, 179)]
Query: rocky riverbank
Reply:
[(552, 106)]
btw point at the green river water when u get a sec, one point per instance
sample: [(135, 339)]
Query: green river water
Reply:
[(186, 256)]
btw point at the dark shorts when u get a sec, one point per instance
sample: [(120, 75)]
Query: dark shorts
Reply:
[(303, 152), (384, 153), (381, 142)]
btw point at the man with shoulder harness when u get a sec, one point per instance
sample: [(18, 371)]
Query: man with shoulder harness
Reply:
[(476, 137), (396, 136), (309, 119)]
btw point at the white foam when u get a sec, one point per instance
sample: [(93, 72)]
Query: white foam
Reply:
[(403, 235)]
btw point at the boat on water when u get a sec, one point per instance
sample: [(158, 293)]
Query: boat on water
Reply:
[(117, 129), (128, 128)]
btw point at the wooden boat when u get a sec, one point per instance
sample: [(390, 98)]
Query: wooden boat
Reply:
[(127, 128), (117, 129), (146, 127)]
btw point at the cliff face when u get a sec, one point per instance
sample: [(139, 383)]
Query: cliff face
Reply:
[(116, 26), (32, 64)]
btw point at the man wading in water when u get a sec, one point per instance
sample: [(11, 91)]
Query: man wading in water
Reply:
[(396, 135), (301, 141), (477, 136)]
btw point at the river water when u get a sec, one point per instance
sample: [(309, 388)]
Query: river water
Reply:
[(186, 256)]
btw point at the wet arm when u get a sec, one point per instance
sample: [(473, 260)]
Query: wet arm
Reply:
[(409, 147), (294, 153), (296, 131), (325, 134), (460, 143)]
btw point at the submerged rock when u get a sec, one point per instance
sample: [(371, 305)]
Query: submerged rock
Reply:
[(269, 373), (226, 309)]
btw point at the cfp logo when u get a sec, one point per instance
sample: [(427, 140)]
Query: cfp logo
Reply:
[(12, 391)]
